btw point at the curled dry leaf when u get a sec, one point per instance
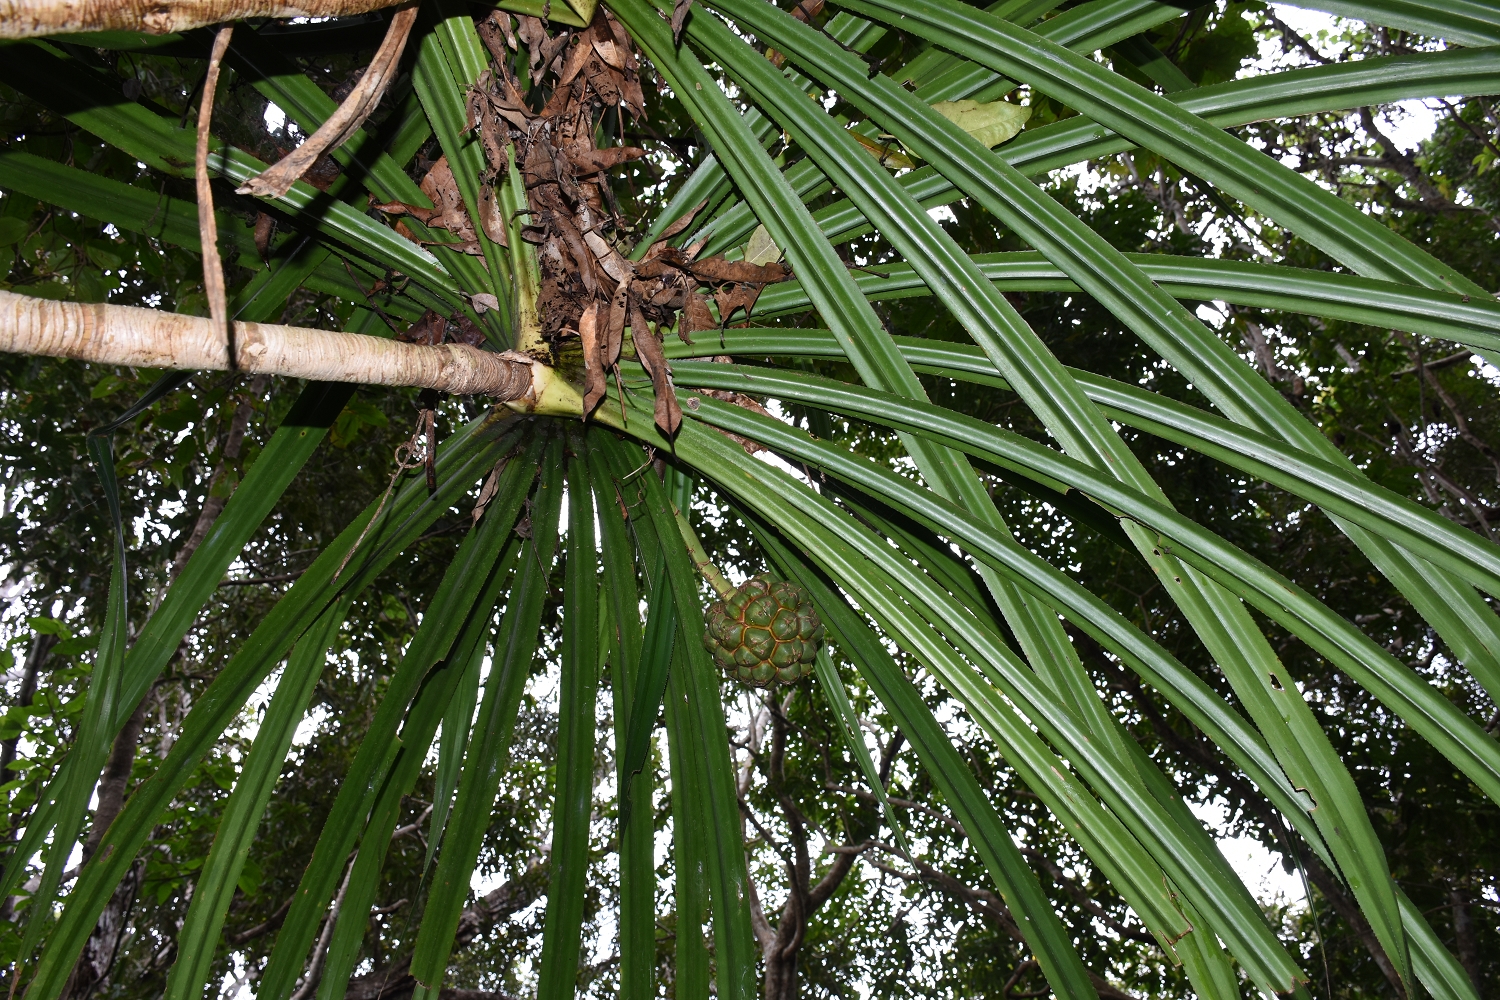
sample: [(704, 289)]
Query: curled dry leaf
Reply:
[(441, 189), (595, 384), (466, 331), (488, 490), (681, 10), (740, 295), (428, 331), (649, 350), (595, 160), (680, 224), (719, 269), (265, 228), (695, 316)]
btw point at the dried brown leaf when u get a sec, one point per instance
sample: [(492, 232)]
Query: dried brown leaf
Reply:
[(490, 216), (648, 349), (427, 331), (719, 269), (615, 332), (680, 12), (578, 57), (265, 228), (426, 216), (595, 160), (736, 296), (695, 316), (595, 385), (442, 190), (467, 331), (682, 222)]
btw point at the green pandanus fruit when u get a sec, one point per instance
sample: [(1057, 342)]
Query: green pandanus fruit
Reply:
[(764, 631)]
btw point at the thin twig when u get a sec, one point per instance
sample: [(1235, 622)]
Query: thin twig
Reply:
[(413, 458), (208, 226), (277, 180)]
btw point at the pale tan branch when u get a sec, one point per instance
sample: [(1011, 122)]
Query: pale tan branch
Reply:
[(208, 227), (148, 338), (34, 18), (277, 180)]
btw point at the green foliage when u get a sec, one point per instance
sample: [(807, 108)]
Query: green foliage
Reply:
[(1048, 416)]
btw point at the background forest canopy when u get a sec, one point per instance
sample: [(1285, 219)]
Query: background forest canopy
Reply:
[(839, 906)]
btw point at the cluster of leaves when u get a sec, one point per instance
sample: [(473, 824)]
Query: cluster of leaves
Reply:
[(892, 929)]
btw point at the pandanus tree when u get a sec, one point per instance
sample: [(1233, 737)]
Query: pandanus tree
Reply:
[(631, 364)]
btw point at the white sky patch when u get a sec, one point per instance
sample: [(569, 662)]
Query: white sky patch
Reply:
[(275, 118), (1261, 870), (1408, 123)]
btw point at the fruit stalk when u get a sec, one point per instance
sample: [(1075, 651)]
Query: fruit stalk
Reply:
[(705, 565)]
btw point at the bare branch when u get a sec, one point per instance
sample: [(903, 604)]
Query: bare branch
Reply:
[(149, 338), (277, 180), (34, 18)]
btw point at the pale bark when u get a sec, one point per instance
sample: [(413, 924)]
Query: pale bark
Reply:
[(149, 338), (277, 180), (34, 18), (208, 226)]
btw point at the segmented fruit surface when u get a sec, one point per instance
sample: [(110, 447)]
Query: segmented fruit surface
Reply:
[(764, 633)]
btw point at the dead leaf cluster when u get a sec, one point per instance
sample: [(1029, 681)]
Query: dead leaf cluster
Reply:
[(589, 288), (433, 329)]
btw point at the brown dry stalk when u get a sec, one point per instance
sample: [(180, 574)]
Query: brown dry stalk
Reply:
[(149, 338), (277, 180), (34, 18), (208, 226)]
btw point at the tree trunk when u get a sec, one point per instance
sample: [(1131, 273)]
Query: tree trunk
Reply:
[(34, 18), (1463, 935), (781, 973), (41, 648)]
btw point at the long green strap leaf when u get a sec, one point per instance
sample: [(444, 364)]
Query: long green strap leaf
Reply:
[(1468, 22), (436, 696), (1238, 646), (214, 890), (657, 648), (494, 726), (455, 738), (1337, 490), (832, 686), (574, 769), (1015, 880), (621, 595), (370, 770), (1423, 707), (702, 715), (406, 516), (1236, 916), (1332, 295), (1313, 90)]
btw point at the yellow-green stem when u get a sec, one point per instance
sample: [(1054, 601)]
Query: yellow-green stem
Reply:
[(700, 557)]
